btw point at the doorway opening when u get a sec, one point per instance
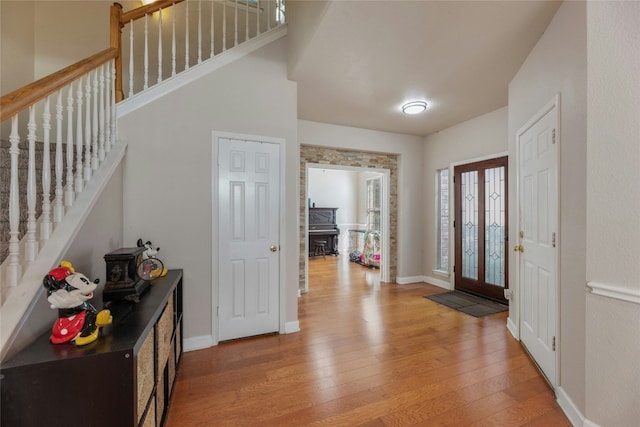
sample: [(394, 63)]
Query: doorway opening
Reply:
[(325, 157), (347, 215)]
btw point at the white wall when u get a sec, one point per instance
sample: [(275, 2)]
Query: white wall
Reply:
[(335, 188), (613, 203), (168, 194), (409, 149), (479, 137), (557, 64)]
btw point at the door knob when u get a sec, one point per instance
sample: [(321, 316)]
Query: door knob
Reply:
[(273, 248), (518, 248)]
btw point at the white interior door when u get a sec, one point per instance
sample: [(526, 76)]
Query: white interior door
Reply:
[(248, 236), (538, 218)]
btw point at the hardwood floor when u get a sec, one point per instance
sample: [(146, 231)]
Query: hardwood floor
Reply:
[(368, 354)]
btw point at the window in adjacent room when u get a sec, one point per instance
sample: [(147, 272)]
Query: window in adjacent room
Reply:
[(374, 203), (442, 203)]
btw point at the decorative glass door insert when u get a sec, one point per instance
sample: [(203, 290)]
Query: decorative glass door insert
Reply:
[(481, 227)]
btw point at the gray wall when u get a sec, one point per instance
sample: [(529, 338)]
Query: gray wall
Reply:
[(558, 64), (479, 137), (409, 149), (168, 194)]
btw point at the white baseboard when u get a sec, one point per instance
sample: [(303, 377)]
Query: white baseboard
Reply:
[(438, 282), (569, 408), (426, 279), (588, 423), (291, 327), (513, 329), (206, 341), (406, 280), (198, 343)]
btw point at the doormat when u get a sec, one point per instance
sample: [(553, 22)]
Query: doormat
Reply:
[(468, 304)]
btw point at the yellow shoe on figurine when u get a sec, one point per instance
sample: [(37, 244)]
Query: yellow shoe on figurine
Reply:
[(104, 318), (88, 339)]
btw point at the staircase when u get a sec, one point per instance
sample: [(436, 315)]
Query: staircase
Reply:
[(63, 146)]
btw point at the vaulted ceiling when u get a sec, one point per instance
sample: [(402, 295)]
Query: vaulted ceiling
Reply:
[(356, 62)]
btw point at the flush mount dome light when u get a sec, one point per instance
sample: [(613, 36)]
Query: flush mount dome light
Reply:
[(414, 107)]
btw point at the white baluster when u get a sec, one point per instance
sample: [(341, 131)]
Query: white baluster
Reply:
[(45, 222), (131, 65), (173, 40), (94, 123), (246, 21), (101, 131), (186, 36), (159, 45), (212, 28), (257, 17), (235, 25), (31, 246), (107, 107), (87, 131), (146, 52), (269, 14), (58, 206), (69, 193), (14, 271), (199, 31), (114, 121), (79, 182), (224, 25)]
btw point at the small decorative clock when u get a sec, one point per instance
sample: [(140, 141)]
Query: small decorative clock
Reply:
[(122, 281)]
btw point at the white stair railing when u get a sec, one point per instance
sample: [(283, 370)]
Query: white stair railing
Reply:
[(93, 134), (172, 37)]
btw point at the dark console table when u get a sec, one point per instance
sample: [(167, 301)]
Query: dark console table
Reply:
[(125, 378)]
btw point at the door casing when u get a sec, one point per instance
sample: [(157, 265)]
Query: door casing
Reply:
[(215, 286)]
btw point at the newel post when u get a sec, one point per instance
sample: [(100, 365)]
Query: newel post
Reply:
[(116, 42)]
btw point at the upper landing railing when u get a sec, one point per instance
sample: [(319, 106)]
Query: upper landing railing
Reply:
[(164, 38), (74, 109)]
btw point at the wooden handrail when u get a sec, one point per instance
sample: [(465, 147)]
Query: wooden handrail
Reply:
[(20, 99), (118, 20), (141, 11)]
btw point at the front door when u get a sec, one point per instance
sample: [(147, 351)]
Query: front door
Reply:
[(248, 218), (481, 228), (536, 248)]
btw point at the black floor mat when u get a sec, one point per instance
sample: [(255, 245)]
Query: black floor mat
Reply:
[(468, 304)]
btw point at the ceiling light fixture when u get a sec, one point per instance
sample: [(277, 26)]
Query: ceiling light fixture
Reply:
[(414, 107)]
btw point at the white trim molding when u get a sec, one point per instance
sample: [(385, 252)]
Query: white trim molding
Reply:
[(569, 408), (198, 343), (513, 328), (424, 279), (407, 280), (614, 291), (291, 327)]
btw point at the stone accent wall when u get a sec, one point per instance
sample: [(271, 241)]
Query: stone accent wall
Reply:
[(361, 159)]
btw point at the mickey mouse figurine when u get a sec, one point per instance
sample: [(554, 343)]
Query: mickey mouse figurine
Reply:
[(68, 291)]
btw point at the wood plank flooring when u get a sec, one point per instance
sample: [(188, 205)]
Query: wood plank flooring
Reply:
[(368, 354)]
